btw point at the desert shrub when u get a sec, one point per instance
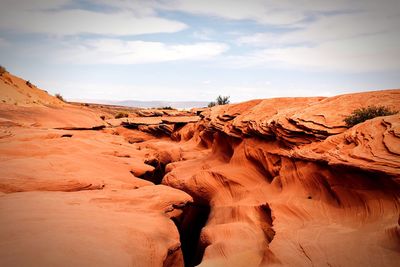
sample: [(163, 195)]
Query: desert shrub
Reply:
[(370, 112), (28, 83), (167, 107), (60, 97), (221, 100), (212, 104), (121, 115), (2, 70)]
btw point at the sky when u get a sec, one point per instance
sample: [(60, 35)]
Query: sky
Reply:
[(195, 50)]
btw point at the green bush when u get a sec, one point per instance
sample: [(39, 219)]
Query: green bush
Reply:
[(370, 112), (2, 70), (166, 107), (121, 115), (59, 96), (221, 100)]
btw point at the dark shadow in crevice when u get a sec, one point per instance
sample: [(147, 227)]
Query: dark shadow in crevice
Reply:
[(95, 128), (157, 174), (189, 225)]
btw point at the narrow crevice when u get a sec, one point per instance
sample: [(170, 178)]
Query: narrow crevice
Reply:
[(178, 126), (95, 128), (189, 225), (266, 216), (157, 174), (129, 125), (269, 233)]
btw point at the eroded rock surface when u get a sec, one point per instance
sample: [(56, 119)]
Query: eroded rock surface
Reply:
[(284, 190), (274, 182)]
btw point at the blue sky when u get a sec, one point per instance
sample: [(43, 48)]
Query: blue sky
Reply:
[(196, 50)]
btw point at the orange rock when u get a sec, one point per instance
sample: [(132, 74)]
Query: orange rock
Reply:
[(91, 228), (16, 91), (274, 182)]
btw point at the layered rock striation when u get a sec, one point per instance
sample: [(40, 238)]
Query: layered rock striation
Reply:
[(273, 182)]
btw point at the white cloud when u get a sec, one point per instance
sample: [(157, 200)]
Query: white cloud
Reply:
[(328, 28), (259, 10), (4, 42), (366, 39), (115, 51), (343, 35), (284, 12), (204, 34), (47, 17), (137, 7), (13, 5), (379, 52)]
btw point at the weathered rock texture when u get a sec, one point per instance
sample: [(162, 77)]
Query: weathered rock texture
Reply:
[(275, 182), (288, 184)]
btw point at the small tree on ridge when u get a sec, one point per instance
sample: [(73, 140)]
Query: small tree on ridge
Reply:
[(221, 100)]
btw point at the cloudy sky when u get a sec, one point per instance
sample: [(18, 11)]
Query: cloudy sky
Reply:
[(198, 49)]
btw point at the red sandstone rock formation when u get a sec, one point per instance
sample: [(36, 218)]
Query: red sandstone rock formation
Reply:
[(274, 182)]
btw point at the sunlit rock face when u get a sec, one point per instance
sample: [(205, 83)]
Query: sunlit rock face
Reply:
[(273, 182)]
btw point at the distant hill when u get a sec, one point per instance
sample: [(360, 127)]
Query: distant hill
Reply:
[(150, 104), (158, 104)]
